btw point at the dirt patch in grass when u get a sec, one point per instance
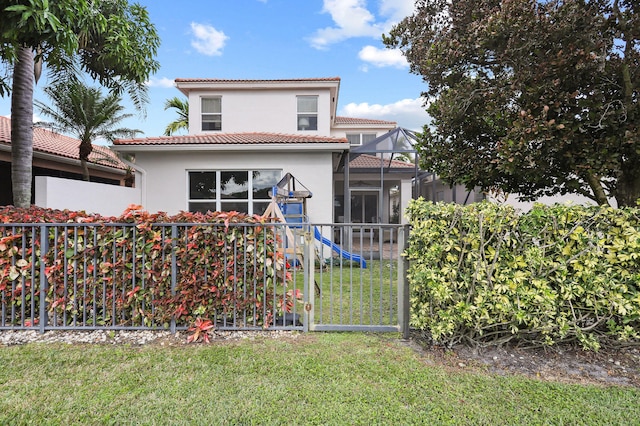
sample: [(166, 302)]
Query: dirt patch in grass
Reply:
[(562, 363)]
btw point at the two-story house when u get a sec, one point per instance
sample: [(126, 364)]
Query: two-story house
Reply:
[(244, 135)]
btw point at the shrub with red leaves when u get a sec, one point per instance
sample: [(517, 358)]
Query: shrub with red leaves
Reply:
[(119, 269)]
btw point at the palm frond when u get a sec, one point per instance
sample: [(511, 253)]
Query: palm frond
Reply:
[(182, 122), (85, 113)]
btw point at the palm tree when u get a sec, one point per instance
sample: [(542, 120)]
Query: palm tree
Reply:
[(86, 114), (22, 127), (182, 122), (111, 40)]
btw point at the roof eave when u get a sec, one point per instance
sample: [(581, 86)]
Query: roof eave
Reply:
[(385, 126), (264, 147), (185, 85), (70, 161)]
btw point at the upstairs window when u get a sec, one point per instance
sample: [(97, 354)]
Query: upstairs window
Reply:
[(211, 114), (356, 139), (307, 113)]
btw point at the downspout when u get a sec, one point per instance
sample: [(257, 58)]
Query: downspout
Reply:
[(347, 194), (143, 179), (433, 188), (416, 191)]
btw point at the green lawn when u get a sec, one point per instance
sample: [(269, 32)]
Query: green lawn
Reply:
[(333, 378), (354, 295)]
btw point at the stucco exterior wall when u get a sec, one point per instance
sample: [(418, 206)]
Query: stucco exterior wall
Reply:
[(378, 130), (107, 200), (166, 183), (525, 206), (260, 111)]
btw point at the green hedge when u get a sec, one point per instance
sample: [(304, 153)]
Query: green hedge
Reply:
[(485, 274)]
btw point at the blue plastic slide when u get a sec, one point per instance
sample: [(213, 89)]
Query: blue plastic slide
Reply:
[(338, 249)]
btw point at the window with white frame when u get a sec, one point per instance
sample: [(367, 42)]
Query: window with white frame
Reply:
[(245, 191), (360, 138), (307, 112), (211, 114)]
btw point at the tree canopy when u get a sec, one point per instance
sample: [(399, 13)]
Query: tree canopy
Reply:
[(530, 97), (111, 40)]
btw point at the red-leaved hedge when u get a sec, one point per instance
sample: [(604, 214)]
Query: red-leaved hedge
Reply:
[(140, 269)]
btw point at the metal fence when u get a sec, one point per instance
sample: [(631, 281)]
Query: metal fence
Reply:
[(84, 276), (362, 284)]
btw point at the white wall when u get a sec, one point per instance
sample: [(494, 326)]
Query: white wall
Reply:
[(107, 200), (167, 187), (379, 130), (525, 206), (445, 193), (260, 111)]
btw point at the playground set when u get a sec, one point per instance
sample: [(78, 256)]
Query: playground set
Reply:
[(288, 204)]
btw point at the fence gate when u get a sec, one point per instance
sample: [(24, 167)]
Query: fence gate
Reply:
[(355, 278)]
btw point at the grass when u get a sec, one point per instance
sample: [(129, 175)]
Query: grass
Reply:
[(333, 378), (353, 295)]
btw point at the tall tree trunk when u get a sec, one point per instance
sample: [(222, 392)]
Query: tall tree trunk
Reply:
[(627, 191), (594, 183), (628, 183), (22, 128), (84, 151)]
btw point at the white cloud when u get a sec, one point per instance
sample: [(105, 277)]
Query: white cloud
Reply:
[(160, 82), (408, 113), (383, 57), (396, 10), (353, 19), (208, 40)]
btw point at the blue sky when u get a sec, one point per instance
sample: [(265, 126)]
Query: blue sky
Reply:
[(275, 39)]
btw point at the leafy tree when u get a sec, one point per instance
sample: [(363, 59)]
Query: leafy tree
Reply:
[(530, 96), (86, 114), (112, 40), (182, 122)]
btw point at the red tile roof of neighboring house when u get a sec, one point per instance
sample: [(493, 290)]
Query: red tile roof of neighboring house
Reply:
[(229, 80), (352, 121), (248, 138), (365, 161), (49, 142)]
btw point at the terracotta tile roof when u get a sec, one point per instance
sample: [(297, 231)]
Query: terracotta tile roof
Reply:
[(46, 141), (248, 138), (228, 80), (365, 161), (353, 120)]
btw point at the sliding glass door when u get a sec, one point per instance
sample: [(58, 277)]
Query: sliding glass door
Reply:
[(364, 206)]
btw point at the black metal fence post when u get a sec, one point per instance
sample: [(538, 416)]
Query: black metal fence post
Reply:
[(404, 308), (44, 248), (174, 271)]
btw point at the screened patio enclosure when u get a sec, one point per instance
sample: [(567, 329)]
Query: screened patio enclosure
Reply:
[(382, 176), (377, 178)]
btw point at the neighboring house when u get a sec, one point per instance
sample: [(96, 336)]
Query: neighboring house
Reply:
[(245, 135), (56, 155), (432, 188), (525, 206)]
